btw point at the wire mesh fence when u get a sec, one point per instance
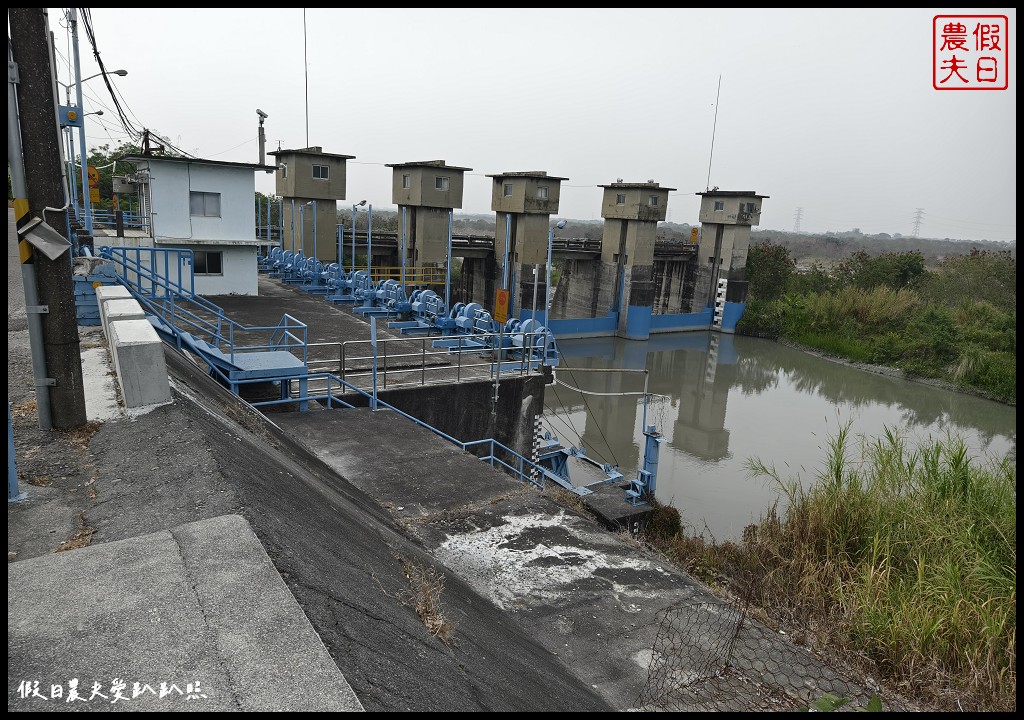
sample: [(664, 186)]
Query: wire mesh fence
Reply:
[(714, 657)]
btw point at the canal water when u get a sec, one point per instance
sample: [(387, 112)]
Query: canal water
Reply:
[(721, 400)]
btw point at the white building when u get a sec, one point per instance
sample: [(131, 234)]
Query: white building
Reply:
[(206, 206)]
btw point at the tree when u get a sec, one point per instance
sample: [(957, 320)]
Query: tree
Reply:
[(769, 268), (108, 162), (897, 271)]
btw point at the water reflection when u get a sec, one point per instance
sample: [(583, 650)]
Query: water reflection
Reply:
[(720, 400)]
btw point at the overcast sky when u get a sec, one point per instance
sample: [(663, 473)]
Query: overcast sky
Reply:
[(831, 113)]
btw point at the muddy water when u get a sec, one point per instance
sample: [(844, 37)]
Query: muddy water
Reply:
[(720, 401)]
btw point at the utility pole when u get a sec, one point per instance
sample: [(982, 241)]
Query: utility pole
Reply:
[(40, 154), (799, 213), (918, 216)]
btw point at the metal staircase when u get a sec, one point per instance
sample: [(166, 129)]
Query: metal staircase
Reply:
[(162, 280)]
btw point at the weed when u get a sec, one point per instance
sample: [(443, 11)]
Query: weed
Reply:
[(82, 538)]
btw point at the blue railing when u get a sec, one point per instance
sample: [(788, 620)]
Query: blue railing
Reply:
[(162, 280), (108, 218), (488, 450)]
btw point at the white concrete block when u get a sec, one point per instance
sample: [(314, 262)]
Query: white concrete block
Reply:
[(110, 292), (119, 309), (139, 361)]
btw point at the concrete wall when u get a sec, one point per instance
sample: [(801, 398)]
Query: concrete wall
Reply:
[(299, 182), (239, 275), (722, 253), (586, 289), (637, 203), (170, 185), (734, 209), (634, 239), (463, 411), (427, 234), (524, 197), (301, 224), (529, 238), (480, 278), (674, 279), (422, 190)]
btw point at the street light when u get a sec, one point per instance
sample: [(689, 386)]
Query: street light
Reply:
[(86, 201), (121, 73), (67, 86), (547, 287), (355, 208)]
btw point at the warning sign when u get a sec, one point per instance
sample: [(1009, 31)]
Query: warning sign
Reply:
[(94, 184), (501, 306)]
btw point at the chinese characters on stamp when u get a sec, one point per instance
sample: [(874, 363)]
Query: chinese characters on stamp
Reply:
[(970, 52)]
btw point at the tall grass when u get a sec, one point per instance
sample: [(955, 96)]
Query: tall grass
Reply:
[(972, 344), (904, 555), (878, 307)]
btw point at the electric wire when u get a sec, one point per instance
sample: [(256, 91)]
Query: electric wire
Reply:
[(566, 422), (591, 412), (568, 418)]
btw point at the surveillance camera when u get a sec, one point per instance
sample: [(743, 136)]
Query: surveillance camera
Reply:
[(261, 114)]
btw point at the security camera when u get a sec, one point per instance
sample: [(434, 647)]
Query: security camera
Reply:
[(261, 114)]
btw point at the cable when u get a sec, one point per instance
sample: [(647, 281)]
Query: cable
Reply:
[(591, 412), (579, 437), (600, 394), (553, 416)]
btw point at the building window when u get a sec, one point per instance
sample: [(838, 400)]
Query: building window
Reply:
[(321, 172), (508, 190), (204, 204), (208, 262), (442, 183), (653, 201), (719, 205), (284, 171), (406, 182), (542, 192), (620, 199), (750, 207)]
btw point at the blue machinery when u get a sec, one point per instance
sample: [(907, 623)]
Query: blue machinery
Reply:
[(463, 328), (162, 280), (643, 486)]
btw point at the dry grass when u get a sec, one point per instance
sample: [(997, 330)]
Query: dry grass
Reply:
[(426, 586), (570, 500), (24, 409), (80, 437), (82, 538)]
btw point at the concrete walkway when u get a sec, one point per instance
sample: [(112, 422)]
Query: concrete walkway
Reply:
[(198, 607)]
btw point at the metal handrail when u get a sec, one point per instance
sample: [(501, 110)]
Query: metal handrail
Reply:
[(164, 296), (525, 468), (521, 356)]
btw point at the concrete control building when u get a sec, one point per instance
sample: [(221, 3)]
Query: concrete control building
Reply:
[(205, 206), (310, 182)]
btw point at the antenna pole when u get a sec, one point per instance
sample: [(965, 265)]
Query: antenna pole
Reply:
[(305, 63), (713, 128)]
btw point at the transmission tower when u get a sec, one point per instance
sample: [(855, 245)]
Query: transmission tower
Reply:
[(796, 225), (918, 214)]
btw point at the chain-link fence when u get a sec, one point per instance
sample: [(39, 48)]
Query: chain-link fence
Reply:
[(712, 657)]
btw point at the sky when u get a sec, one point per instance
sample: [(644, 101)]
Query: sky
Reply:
[(831, 113)]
